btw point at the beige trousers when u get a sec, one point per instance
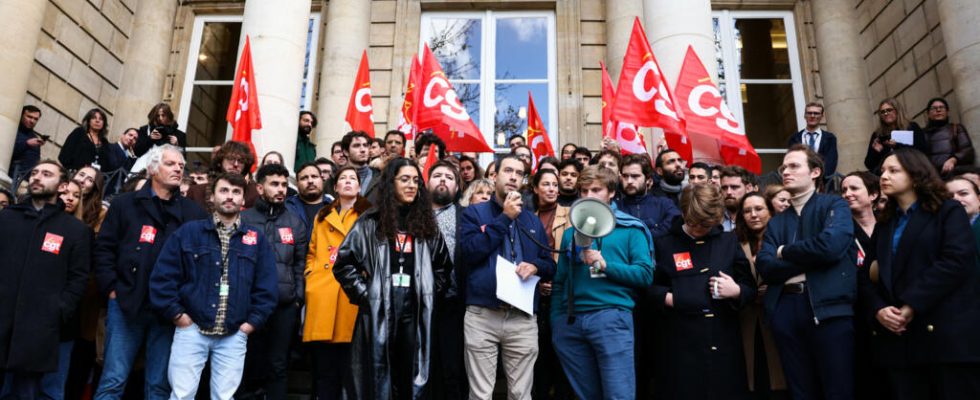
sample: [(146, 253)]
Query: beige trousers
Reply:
[(509, 332)]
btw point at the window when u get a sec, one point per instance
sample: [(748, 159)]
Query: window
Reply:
[(216, 44), (493, 59), (759, 75)]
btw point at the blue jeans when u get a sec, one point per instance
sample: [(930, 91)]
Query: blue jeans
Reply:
[(124, 337), (596, 352), (53, 383), (191, 350)]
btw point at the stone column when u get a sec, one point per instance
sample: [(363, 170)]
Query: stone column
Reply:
[(147, 61), (277, 31), (961, 34), (348, 31), (20, 28), (844, 79), (672, 26), (619, 25)]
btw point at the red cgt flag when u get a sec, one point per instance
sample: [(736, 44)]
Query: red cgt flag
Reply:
[(643, 97), (430, 160), (243, 109), (360, 114), (407, 122), (537, 135), (708, 116), (627, 135), (441, 111)]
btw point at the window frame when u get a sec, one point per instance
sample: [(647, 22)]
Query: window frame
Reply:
[(733, 79), (488, 68)]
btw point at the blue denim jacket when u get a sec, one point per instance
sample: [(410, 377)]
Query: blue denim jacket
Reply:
[(186, 275)]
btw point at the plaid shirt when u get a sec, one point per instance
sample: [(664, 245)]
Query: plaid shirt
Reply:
[(224, 236)]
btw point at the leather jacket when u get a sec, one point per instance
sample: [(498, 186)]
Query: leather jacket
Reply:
[(363, 270)]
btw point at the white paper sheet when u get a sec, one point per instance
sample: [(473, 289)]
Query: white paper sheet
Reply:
[(512, 290), (903, 137)]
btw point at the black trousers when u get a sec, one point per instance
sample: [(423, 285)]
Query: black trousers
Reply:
[(818, 359), (331, 366), (21, 386), (267, 358), (447, 374), (936, 382), (402, 341)]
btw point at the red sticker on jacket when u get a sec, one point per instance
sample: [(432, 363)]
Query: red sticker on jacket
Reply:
[(148, 234), (286, 235), (682, 261), (403, 243), (52, 243), (250, 238)]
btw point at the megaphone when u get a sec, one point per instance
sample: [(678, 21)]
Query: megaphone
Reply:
[(591, 219)]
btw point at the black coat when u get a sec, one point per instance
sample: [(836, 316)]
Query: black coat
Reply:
[(363, 270), (935, 272), (43, 282), (873, 159), (79, 151), (144, 143), (287, 234), (701, 348), (827, 148), (124, 256)]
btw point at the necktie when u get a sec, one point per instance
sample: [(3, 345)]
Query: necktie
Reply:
[(811, 139)]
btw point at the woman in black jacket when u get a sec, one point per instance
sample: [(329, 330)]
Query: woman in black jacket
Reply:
[(891, 117), (949, 143), (88, 144), (701, 281), (923, 292), (392, 264)]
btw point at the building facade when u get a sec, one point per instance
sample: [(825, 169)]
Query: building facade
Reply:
[(771, 57)]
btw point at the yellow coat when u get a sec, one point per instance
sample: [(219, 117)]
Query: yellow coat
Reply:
[(330, 316)]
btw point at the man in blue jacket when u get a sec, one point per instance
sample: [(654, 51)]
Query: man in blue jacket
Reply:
[(216, 280), (656, 212), (501, 227), (808, 261), (126, 249)]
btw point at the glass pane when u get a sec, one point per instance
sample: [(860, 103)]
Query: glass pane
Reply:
[(718, 49), (219, 51), (762, 49), (206, 126), (770, 115), (456, 44), (510, 117), (522, 48), (310, 31)]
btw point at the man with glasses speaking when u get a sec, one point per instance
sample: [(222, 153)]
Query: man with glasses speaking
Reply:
[(822, 142)]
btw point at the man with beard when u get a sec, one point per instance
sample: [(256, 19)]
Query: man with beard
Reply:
[(216, 281), (27, 146), (656, 212), (670, 168), (290, 239), (734, 186), (305, 148), (448, 369), (568, 171), (233, 157), (357, 146), (46, 257), (126, 249), (309, 198)]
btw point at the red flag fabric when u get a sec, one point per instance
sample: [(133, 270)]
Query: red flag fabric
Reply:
[(430, 160), (537, 135), (360, 111), (708, 115), (407, 122), (441, 111), (243, 109), (627, 135), (643, 97)]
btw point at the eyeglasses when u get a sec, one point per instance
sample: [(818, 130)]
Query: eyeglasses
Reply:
[(814, 113), (937, 108), (886, 111)]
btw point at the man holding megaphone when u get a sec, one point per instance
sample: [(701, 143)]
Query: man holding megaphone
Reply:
[(608, 256)]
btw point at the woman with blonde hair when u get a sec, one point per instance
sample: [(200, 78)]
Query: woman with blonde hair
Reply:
[(891, 117), (478, 191)]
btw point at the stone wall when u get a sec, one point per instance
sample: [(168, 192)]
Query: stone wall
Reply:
[(903, 44), (78, 63)]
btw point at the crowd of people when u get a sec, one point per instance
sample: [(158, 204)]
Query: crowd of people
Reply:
[(381, 266)]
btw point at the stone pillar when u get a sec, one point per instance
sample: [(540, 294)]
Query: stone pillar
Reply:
[(961, 34), (20, 28), (277, 31), (147, 61), (843, 76), (619, 25), (672, 26), (348, 31)]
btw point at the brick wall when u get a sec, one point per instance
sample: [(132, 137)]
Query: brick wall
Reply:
[(78, 63)]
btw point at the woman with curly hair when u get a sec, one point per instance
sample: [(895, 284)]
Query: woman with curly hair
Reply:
[(392, 265)]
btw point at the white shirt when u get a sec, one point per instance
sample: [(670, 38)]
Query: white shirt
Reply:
[(816, 138)]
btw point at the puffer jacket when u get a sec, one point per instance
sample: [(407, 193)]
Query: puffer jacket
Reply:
[(948, 140), (286, 233)]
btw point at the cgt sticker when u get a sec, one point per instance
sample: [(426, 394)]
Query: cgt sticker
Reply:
[(286, 235), (52, 243), (250, 238), (148, 234), (682, 261)]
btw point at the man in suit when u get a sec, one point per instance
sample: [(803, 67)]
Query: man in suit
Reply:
[(124, 151), (822, 142)]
